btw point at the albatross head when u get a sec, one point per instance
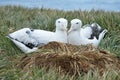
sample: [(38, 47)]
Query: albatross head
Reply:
[(96, 29), (96, 26), (22, 35), (61, 24), (75, 25)]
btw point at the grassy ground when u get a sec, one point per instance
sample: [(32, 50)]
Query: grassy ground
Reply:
[(14, 18)]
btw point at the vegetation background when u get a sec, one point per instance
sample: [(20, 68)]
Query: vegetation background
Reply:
[(13, 18)]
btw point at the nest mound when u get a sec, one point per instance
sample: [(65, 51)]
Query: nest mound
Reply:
[(69, 59)]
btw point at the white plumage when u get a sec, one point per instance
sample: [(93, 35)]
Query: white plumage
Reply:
[(76, 37), (23, 47), (28, 40), (60, 35), (23, 41), (86, 31), (23, 36)]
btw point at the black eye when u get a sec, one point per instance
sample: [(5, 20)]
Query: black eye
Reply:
[(58, 21), (31, 29), (77, 23), (28, 32)]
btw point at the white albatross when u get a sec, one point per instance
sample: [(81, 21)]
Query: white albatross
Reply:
[(23, 41), (60, 35), (75, 36), (28, 40)]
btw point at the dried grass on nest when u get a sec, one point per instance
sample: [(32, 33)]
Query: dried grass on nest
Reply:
[(71, 59)]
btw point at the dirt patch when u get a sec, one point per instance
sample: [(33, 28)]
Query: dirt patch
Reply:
[(69, 59)]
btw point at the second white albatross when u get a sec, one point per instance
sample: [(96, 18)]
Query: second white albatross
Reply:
[(75, 36)]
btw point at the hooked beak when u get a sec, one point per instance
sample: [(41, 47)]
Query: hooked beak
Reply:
[(71, 29), (64, 27)]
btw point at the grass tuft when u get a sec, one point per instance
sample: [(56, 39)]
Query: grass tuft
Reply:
[(13, 18)]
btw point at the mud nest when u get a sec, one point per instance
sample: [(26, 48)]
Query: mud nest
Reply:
[(69, 59)]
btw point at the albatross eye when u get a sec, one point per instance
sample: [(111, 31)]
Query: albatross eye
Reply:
[(28, 32), (77, 23), (31, 29), (58, 21)]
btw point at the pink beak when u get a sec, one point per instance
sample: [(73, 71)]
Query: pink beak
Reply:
[(64, 27), (71, 28)]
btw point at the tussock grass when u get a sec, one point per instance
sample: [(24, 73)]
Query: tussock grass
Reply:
[(13, 18), (72, 60)]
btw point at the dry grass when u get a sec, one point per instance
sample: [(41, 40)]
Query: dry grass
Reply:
[(13, 18), (72, 60)]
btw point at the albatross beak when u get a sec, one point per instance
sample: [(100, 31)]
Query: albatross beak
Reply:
[(64, 27), (71, 29)]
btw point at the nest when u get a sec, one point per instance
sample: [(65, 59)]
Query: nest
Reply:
[(69, 59)]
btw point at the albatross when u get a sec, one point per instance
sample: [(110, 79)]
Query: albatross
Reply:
[(76, 37), (60, 34), (28, 40), (23, 41)]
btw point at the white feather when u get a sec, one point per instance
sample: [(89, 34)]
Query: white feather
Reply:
[(75, 38), (60, 35), (86, 31), (37, 36)]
